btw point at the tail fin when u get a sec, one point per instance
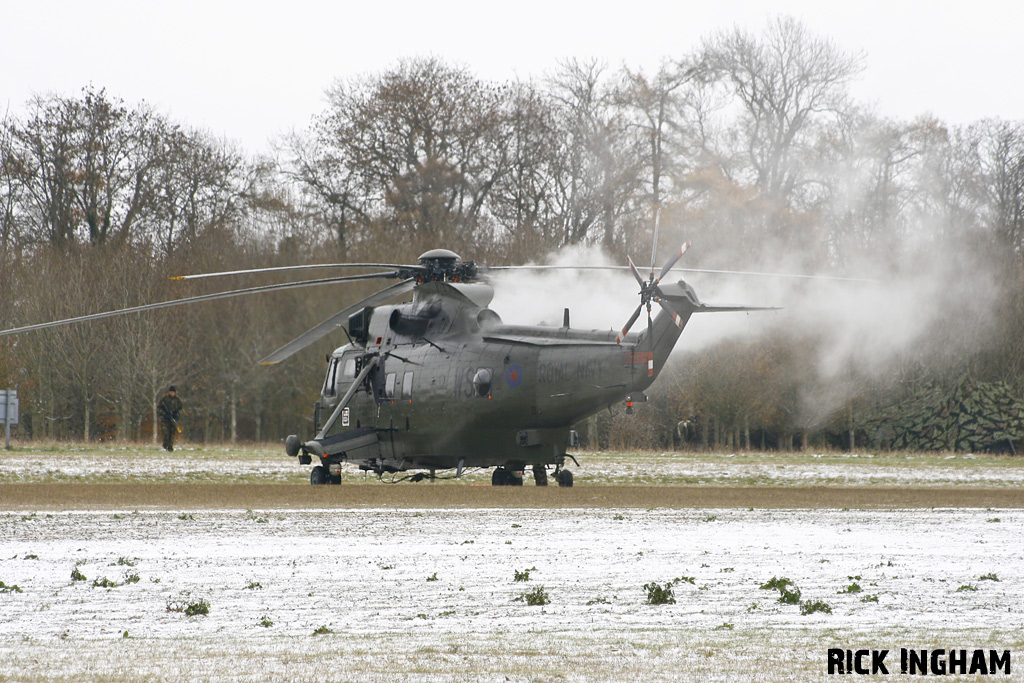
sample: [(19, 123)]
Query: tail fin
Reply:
[(680, 299), (678, 302)]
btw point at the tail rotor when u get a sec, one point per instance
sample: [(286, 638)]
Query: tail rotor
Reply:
[(648, 295)]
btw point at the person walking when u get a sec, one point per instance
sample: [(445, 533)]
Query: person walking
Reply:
[(169, 411)]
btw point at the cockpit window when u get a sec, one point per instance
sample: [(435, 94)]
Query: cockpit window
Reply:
[(350, 368), (330, 382)]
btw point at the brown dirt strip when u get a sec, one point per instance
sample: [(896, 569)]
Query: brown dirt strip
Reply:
[(135, 495)]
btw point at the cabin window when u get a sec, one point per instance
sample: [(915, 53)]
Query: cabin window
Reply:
[(389, 386), (482, 382), (407, 386)]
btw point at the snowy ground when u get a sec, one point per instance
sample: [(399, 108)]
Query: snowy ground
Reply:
[(197, 464), (804, 469), (431, 595)]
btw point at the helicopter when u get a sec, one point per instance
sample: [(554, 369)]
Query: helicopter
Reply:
[(442, 383)]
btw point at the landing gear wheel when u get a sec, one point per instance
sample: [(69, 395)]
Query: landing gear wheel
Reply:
[(540, 475), (500, 477), (334, 479), (318, 475), (564, 478), (515, 478)]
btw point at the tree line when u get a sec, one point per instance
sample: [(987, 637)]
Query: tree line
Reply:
[(749, 144)]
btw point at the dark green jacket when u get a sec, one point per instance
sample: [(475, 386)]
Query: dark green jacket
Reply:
[(169, 408)]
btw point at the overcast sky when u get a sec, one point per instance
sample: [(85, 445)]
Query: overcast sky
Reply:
[(251, 70)]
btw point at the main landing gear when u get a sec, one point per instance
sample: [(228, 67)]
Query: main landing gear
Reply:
[(564, 478), (502, 477), (505, 477)]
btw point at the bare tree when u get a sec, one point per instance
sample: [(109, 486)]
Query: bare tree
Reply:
[(11, 196), (1003, 163), (87, 166), (786, 82), (419, 146), (599, 160), (523, 198), (199, 183)]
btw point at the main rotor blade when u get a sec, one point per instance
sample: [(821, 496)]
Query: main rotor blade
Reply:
[(688, 270), (835, 278), (306, 266), (197, 299), (489, 268), (335, 321)]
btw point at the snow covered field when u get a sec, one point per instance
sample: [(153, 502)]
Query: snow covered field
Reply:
[(198, 464), (432, 595)]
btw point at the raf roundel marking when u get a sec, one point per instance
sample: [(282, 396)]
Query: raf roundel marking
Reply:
[(514, 376)]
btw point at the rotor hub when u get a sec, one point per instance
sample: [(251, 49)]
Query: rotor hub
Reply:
[(443, 265)]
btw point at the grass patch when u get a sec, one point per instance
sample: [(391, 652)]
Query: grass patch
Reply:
[(185, 604), (665, 595), (658, 594), (809, 607), (523, 575), (537, 596), (253, 517), (789, 594), (854, 587)]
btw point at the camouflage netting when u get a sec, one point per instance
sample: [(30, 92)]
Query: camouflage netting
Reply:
[(971, 417)]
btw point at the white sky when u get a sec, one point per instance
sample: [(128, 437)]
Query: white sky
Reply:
[(251, 70)]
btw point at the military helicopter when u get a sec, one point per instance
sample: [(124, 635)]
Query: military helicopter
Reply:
[(441, 383)]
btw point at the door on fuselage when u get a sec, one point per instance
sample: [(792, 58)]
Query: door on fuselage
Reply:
[(394, 387)]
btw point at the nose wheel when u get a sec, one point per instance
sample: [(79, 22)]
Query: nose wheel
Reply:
[(319, 476)]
